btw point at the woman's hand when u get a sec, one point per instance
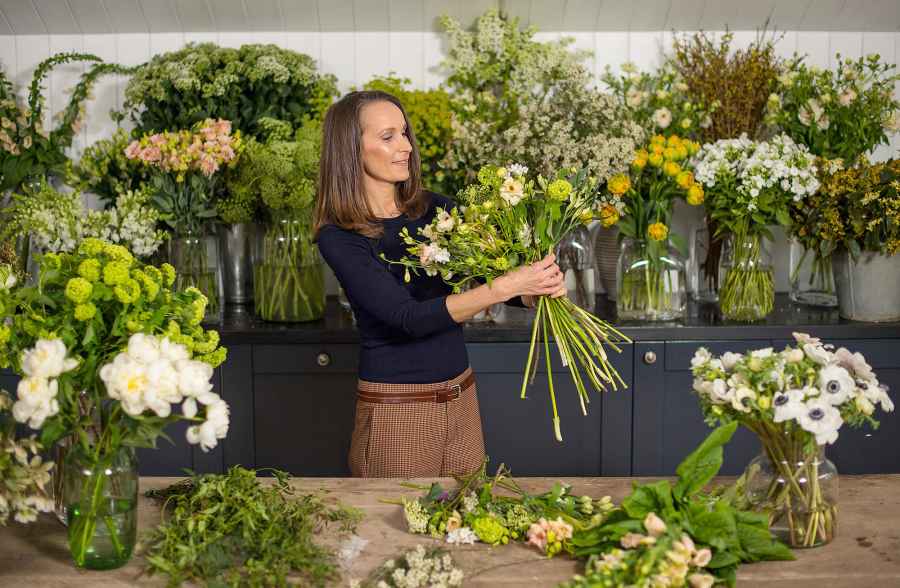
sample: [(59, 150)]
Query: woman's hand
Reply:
[(542, 278)]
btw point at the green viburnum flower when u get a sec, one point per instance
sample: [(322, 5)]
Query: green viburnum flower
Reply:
[(89, 269), (85, 312), (118, 252), (128, 291), (559, 189), (168, 274), (91, 246), (5, 333), (51, 261), (208, 343), (490, 530), (214, 359), (116, 272), (79, 290)]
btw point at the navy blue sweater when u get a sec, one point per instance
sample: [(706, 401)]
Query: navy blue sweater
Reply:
[(407, 335)]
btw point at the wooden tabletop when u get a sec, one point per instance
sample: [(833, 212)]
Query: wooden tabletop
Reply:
[(866, 552)]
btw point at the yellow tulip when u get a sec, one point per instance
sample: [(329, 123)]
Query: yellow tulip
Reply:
[(656, 160), (685, 179), (695, 195), (608, 215), (657, 231), (619, 184), (671, 169)]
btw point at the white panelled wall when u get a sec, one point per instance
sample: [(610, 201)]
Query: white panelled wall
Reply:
[(355, 56)]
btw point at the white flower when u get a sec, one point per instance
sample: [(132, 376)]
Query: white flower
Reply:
[(189, 408), (847, 97), (462, 536), (655, 526), (741, 400), (855, 362), (517, 170), (662, 117), (126, 380), (512, 191), (701, 357), (803, 339), (172, 351), (193, 377), (817, 353), (729, 360), (634, 97), (762, 353), (143, 348), (47, 359), (788, 405), (721, 393), (864, 405), (836, 384), (793, 355), (36, 401), (822, 420), (445, 221)]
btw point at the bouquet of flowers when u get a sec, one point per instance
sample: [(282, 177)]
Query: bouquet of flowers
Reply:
[(510, 220), (749, 185), (658, 101), (641, 204), (417, 568), (841, 114), (106, 349), (795, 401)]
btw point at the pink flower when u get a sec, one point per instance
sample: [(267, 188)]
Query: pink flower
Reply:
[(537, 535), (158, 139), (133, 150), (227, 153), (208, 165), (631, 540), (151, 154), (224, 126)]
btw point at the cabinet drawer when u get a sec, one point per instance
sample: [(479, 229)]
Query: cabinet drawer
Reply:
[(312, 358)]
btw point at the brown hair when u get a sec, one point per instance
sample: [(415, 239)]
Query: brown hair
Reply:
[(342, 197)]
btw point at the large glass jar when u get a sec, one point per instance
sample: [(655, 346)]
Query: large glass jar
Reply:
[(289, 281), (747, 291), (197, 263), (101, 505), (703, 272), (651, 281), (812, 277), (575, 257)]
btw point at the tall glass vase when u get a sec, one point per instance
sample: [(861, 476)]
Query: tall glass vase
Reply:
[(704, 265), (812, 277), (797, 486), (289, 283), (747, 291), (197, 262), (575, 255), (651, 282), (101, 504)]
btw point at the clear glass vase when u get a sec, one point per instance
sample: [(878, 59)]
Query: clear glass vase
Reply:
[(703, 272), (101, 505), (747, 290), (797, 486), (575, 257), (289, 283), (197, 263), (812, 277), (58, 478), (606, 258), (651, 281)]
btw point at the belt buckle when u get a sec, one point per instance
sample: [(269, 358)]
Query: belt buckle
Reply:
[(449, 395)]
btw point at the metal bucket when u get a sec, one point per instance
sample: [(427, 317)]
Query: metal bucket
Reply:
[(236, 244), (868, 288)]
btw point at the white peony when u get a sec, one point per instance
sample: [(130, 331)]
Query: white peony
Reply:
[(36, 401), (836, 384), (193, 377), (788, 405), (172, 351), (126, 380), (822, 420), (143, 348), (47, 359), (164, 379)]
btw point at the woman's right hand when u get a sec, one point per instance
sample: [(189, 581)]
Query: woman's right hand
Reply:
[(542, 278)]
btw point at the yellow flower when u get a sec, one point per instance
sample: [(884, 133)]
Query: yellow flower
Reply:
[(671, 153), (685, 179), (127, 291), (693, 147), (657, 140), (657, 149), (657, 231), (619, 184), (682, 151), (695, 195), (91, 246), (168, 274), (656, 159), (79, 290), (501, 172), (671, 169), (115, 272), (559, 189), (764, 402), (673, 141), (89, 269), (587, 216), (608, 215)]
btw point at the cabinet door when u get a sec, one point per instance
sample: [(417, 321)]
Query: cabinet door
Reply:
[(519, 432), (668, 423), (303, 410), (866, 450)]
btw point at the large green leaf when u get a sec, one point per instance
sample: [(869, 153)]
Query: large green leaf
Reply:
[(703, 463)]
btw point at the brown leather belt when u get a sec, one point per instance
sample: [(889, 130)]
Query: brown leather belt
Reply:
[(444, 394)]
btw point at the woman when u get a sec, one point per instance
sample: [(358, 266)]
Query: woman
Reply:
[(417, 408)]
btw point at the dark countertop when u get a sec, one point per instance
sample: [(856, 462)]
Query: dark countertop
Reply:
[(703, 322)]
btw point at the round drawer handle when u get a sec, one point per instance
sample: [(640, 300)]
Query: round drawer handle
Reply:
[(323, 359), (650, 357)]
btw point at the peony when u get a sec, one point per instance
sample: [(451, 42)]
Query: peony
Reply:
[(47, 359), (36, 401), (173, 352), (193, 377), (143, 348)]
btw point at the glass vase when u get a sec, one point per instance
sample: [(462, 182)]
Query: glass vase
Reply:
[(747, 291), (703, 273), (197, 263), (606, 258), (289, 283), (812, 277), (58, 478), (101, 505), (797, 486), (651, 281), (575, 257)]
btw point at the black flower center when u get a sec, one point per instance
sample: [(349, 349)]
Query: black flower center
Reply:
[(781, 400), (817, 414), (863, 386), (833, 387)]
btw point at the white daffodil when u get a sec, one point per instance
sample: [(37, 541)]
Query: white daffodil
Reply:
[(836, 384), (193, 377), (47, 359), (701, 358), (788, 405), (143, 348), (741, 400), (822, 420)]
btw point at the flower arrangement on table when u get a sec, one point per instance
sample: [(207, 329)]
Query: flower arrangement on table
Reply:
[(795, 401), (28, 150), (508, 220), (186, 167), (279, 178), (651, 285), (750, 185), (106, 350)]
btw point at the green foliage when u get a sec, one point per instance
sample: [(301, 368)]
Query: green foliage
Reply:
[(230, 529), (177, 89), (430, 116), (104, 169)]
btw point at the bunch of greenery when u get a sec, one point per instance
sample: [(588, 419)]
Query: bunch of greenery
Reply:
[(517, 99), (175, 90), (231, 529), (26, 148), (430, 116), (104, 169)]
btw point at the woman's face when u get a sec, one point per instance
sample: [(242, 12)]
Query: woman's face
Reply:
[(385, 147)]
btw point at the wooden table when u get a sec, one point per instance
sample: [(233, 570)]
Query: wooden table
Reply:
[(866, 552)]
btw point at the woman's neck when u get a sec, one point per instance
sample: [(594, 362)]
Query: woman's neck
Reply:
[(382, 197)]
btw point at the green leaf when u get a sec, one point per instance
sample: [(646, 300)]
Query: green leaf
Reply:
[(649, 498), (703, 463)]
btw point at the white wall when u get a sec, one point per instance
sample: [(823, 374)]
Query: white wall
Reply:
[(354, 57)]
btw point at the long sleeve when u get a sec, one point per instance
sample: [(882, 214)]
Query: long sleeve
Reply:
[(370, 285)]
